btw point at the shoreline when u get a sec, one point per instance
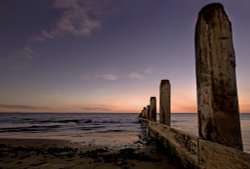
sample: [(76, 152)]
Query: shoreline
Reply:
[(50, 153)]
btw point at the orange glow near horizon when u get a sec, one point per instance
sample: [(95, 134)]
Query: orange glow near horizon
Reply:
[(183, 101), (181, 109)]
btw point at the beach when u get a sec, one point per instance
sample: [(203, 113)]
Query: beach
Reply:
[(55, 154), (72, 140)]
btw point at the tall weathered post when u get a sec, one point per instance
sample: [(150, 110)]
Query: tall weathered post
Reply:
[(165, 102), (218, 109), (153, 108)]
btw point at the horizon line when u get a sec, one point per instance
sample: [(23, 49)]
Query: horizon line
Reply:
[(103, 112)]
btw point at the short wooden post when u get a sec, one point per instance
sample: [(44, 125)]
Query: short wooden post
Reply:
[(153, 108), (148, 112), (144, 112)]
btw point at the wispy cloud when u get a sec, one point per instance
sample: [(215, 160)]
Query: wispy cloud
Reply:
[(154, 71), (150, 70), (108, 76), (25, 56), (96, 109), (136, 75), (28, 52), (79, 18), (20, 107), (19, 59)]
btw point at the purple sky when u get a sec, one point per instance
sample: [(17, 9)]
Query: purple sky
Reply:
[(107, 55)]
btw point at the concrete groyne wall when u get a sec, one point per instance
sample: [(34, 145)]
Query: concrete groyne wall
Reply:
[(219, 144), (212, 155), (197, 153), (179, 144)]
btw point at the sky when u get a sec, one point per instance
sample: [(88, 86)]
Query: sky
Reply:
[(107, 55)]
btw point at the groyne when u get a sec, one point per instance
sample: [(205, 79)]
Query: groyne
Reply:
[(194, 152), (219, 144)]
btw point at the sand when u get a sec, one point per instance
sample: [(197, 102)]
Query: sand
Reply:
[(62, 154)]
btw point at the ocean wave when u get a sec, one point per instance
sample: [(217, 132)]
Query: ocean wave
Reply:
[(111, 131), (91, 127), (34, 128)]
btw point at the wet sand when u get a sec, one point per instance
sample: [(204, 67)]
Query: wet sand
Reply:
[(62, 154)]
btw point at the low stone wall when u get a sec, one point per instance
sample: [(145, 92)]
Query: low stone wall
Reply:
[(216, 156), (179, 144)]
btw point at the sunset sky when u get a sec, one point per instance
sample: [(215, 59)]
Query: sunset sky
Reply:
[(107, 55)]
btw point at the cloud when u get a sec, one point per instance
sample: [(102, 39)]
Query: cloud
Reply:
[(79, 18), (25, 56), (95, 109), (149, 70), (154, 71), (20, 59), (136, 75), (21, 107), (28, 52), (113, 77), (109, 77)]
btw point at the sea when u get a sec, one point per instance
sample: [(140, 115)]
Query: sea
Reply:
[(115, 129)]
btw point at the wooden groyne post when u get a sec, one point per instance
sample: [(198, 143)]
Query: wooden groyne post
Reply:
[(143, 113), (153, 108), (218, 109), (165, 102), (148, 112)]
